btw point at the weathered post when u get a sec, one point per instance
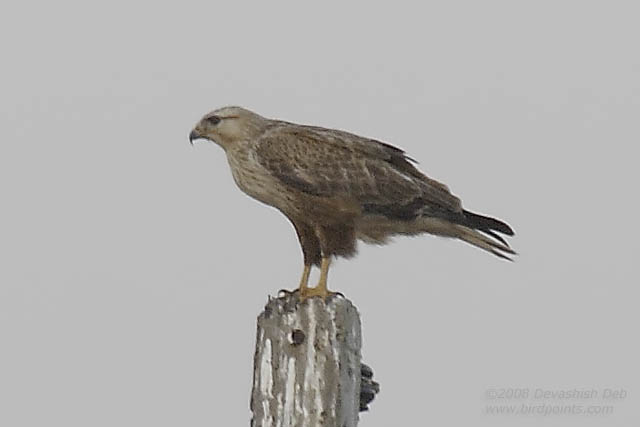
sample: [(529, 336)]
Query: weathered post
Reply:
[(307, 368)]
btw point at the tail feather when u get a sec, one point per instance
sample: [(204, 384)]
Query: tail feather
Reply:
[(496, 236), (475, 237), (482, 238)]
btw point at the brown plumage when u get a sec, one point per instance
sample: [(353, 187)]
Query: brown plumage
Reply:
[(337, 188)]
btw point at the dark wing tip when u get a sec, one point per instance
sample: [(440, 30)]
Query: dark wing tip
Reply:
[(487, 224)]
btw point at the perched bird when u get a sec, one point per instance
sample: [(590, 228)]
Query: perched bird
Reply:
[(336, 188)]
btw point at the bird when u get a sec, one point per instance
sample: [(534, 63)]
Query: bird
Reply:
[(338, 188)]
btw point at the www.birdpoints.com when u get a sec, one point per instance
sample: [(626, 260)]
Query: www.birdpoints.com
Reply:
[(539, 401)]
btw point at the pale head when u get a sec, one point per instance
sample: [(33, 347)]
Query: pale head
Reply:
[(229, 125)]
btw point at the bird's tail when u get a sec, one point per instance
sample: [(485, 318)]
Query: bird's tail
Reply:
[(476, 229), (482, 241), (482, 231)]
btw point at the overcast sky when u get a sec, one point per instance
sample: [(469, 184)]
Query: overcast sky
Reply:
[(133, 269)]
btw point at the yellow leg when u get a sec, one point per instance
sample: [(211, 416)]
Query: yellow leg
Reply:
[(304, 280), (324, 273), (321, 289)]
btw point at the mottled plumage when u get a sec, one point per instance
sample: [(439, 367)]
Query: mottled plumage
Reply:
[(337, 187)]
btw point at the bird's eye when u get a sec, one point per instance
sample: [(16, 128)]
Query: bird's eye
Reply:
[(213, 120)]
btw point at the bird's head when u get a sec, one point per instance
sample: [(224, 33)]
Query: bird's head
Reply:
[(228, 125)]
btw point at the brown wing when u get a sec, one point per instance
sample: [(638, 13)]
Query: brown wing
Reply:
[(378, 177)]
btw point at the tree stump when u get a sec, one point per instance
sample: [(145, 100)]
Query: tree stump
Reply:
[(307, 369)]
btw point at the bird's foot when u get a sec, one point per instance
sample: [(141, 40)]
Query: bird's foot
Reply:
[(319, 291)]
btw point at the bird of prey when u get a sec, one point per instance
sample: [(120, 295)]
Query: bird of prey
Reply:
[(337, 188)]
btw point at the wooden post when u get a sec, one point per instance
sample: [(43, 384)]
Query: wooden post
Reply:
[(307, 368)]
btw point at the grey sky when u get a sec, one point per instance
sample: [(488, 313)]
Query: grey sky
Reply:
[(133, 268)]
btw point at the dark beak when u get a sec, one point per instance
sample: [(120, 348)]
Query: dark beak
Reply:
[(193, 136)]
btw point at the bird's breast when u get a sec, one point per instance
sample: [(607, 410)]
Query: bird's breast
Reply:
[(253, 179)]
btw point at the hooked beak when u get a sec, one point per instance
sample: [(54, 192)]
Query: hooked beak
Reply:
[(193, 136)]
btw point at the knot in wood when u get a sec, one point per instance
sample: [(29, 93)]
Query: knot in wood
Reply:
[(297, 336)]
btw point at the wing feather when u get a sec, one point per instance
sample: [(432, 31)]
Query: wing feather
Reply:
[(330, 163)]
